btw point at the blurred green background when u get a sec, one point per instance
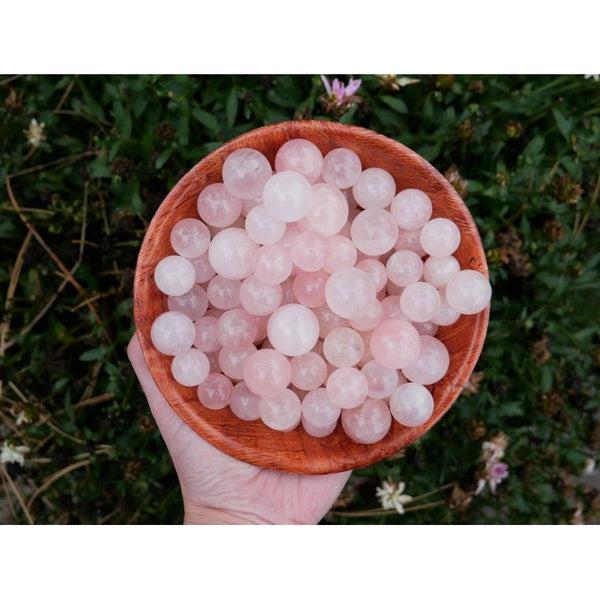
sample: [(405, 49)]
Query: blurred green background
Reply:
[(86, 160)]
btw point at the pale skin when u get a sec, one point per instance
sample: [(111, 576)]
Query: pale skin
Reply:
[(219, 489)]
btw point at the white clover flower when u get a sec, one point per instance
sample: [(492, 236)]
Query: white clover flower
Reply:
[(391, 497), (13, 454), (35, 133)]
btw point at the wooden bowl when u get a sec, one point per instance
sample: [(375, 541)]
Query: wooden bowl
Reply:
[(296, 451)]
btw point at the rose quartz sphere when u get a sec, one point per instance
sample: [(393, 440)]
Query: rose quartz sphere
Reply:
[(309, 251), (374, 231), (293, 329), (204, 272), (394, 343), (404, 267), (231, 253), (411, 209), (367, 423), (217, 206), (437, 271), (410, 240), (411, 404), (236, 328), (375, 188), (420, 301), (223, 293), (267, 372), (259, 298), (309, 288), (206, 334), (172, 333), (392, 308), (174, 275), (427, 328), (347, 387), (445, 315), (317, 432), (318, 410), (215, 391), (440, 237), (468, 292), (190, 238), (328, 210), (190, 368), (282, 411), (343, 347), (232, 360), (309, 371), (287, 196), (431, 364), (193, 303), (300, 156), (382, 380), (341, 252), (245, 173), (376, 270), (244, 403), (272, 264), (371, 318), (262, 227), (328, 320), (341, 168), (349, 292)]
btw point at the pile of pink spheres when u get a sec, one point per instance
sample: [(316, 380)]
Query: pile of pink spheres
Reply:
[(313, 292)]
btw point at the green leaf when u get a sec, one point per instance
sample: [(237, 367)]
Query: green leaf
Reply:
[(122, 119), (208, 120), (231, 107), (94, 354), (348, 115), (535, 146), (162, 158), (563, 123), (395, 104)]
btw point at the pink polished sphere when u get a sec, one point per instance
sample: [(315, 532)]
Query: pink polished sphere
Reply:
[(231, 253), (343, 347), (411, 404), (236, 328), (245, 173), (193, 303), (394, 343), (204, 272), (317, 432), (206, 334), (347, 387), (217, 206), (287, 196), (341, 253), (272, 264), (349, 292), (382, 380), (468, 292), (300, 156), (282, 411), (309, 251), (223, 293), (172, 333), (410, 240), (376, 270), (374, 231), (309, 288), (174, 275), (404, 267), (318, 410), (392, 308), (431, 364), (437, 271), (259, 298), (244, 403), (420, 301), (215, 391), (375, 188), (445, 315), (341, 168), (267, 372), (411, 209), (440, 237), (262, 227), (328, 320), (293, 329), (427, 328), (190, 368), (372, 317), (232, 360), (367, 423), (328, 210), (190, 238), (309, 371)]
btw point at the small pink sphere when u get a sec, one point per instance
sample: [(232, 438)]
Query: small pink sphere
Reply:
[(232, 360), (223, 293), (343, 347), (309, 371), (282, 411), (410, 240), (172, 333), (440, 237), (411, 209), (262, 227), (328, 210), (309, 251), (300, 156), (245, 173), (374, 231), (174, 275), (217, 206), (445, 315), (372, 317), (411, 404), (375, 188), (190, 368), (215, 391), (193, 303), (293, 329), (190, 238), (404, 267), (317, 432), (347, 387), (350, 292), (318, 410), (437, 271), (394, 343), (259, 298), (376, 270), (328, 320), (341, 168), (236, 328), (420, 301), (382, 380), (427, 328), (287, 196), (204, 272), (341, 253), (431, 364), (267, 372), (367, 423), (309, 288), (244, 403), (231, 253), (206, 334), (272, 264), (468, 292)]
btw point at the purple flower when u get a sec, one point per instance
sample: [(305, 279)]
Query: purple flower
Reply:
[(341, 94), (494, 471)]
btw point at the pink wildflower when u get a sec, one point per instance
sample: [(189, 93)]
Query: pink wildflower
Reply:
[(339, 93)]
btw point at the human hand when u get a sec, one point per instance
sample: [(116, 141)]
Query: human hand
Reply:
[(217, 488)]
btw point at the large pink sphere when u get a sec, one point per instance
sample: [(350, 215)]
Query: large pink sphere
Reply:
[(259, 298), (232, 360), (215, 391), (420, 301), (431, 364), (349, 292), (309, 371), (267, 372), (318, 410), (372, 317), (193, 303), (341, 168), (341, 252), (411, 404), (437, 271), (231, 253), (244, 403), (440, 237), (172, 333), (445, 315), (293, 329), (374, 231), (347, 387), (328, 210), (309, 251), (287, 196), (217, 206), (190, 368), (223, 293), (190, 238), (367, 423), (262, 227), (411, 209), (206, 334), (282, 411), (328, 320), (382, 380), (343, 347), (468, 292), (375, 188), (300, 156), (245, 173), (376, 270), (410, 240), (394, 343), (404, 267), (272, 264), (174, 275), (236, 328)]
